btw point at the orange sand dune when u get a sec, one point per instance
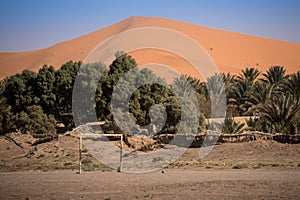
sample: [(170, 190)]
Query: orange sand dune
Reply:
[(230, 51)]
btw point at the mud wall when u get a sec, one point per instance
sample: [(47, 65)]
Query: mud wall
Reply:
[(211, 138)]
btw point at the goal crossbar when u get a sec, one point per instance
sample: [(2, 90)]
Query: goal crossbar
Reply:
[(99, 135)]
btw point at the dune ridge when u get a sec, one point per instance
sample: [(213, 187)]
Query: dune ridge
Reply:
[(230, 51)]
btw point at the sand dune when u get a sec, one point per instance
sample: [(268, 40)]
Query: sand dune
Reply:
[(230, 51)]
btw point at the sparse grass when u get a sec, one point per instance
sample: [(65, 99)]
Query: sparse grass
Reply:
[(85, 151), (40, 168), (176, 164), (43, 167), (199, 162), (260, 165), (275, 165), (41, 156), (68, 154), (68, 164), (29, 154), (56, 167), (148, 196), (22, 165), (19, 165), (86, 161), (239, 166), (95, 167), (214, 164)]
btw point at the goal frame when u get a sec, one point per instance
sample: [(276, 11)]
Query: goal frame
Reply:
[(99, 135)]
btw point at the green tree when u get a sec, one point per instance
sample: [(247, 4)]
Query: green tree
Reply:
[(34, 121), (19, 90), (45, 89), (5, 111), (87, 93), (275, 75), (217, 94), (258, 124), (187, 91), (293, 84), (242, 90), (122, 64), (230, 126), (249, 75), (279, 114), (64, 81)]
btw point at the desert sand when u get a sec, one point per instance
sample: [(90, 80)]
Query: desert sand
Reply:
[(230, 51)]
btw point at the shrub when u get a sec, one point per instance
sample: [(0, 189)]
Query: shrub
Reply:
[(239, 166), (34, 121)]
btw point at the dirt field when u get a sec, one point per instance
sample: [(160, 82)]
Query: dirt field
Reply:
[(248, 170), (172, 184), (62, 153)]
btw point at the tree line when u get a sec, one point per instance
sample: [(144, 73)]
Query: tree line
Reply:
[(35, 102)]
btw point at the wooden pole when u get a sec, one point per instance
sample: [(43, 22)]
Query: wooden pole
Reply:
[(80, 152), (121, 153)]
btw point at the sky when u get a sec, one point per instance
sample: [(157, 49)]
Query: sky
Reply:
[(34, 24)]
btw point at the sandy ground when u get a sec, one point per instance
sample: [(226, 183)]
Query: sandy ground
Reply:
[(173, 184), (63, 154), (255, 170), (230, 51)]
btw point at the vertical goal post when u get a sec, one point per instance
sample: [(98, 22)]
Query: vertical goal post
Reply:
[(100, 135)]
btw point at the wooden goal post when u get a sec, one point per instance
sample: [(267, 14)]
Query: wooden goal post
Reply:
[(100, 135)]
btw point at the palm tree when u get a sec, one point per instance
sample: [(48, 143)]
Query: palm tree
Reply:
[(261, 94), (217, 94), (242, 90), (195, 82), (253, 124), (257, 124), (280, 113), (293, 84), (229, 81), (215, 85), (240, 97), (182, 86), (228, 78), (249, 75), (275, 75), (198, 86), (231, 127)]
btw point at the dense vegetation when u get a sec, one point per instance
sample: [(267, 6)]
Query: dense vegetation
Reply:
[(36, 102)]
